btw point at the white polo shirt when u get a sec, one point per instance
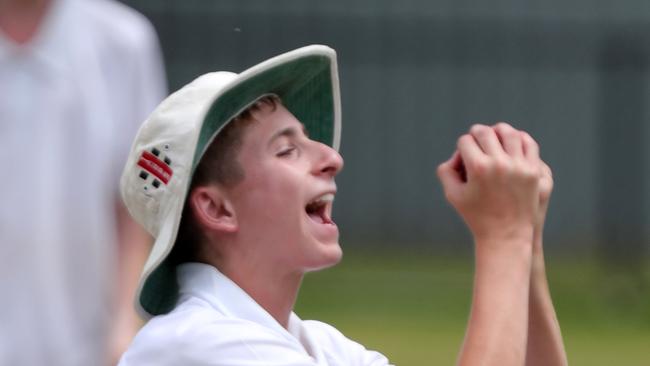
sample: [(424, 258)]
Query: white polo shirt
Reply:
[(217, 323)]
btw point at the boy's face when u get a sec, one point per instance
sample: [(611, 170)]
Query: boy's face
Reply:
[(284, 203)]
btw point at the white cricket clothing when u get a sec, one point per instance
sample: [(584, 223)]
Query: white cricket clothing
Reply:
[(70, 103), (217, 323)]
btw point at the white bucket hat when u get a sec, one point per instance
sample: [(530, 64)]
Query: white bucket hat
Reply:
[(171, 142)]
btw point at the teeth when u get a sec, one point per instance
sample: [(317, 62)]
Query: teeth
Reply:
[(328, 197), (319, 202)]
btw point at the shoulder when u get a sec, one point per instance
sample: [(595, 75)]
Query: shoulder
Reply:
[(324, 331), (340, 349), (194, 334), (117, 23), (329, 337)]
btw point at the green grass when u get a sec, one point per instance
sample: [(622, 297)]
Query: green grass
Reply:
[(414, 309)]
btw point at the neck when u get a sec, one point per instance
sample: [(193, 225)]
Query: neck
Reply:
[(21, 19), (272, 289)]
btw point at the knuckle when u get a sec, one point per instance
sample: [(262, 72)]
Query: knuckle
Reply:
[(503, 127), (528, 137), (503, 124), (477, 167), (531, 140), (463, 140), (510, 133), (481, 168), (503, 166), (478, 130), (524, 170), (530, 175)]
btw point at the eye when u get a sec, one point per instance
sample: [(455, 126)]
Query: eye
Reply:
[(286, 151)]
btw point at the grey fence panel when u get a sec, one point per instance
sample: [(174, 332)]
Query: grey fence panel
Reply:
[(416, 75)]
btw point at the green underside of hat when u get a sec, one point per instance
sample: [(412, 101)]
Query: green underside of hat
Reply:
[(305, 87), (160, 291)]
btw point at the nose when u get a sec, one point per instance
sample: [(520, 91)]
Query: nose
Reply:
[(329, 161)]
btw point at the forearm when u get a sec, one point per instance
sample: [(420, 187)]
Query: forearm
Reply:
[(497, 328), (545, 345), (133, 246)]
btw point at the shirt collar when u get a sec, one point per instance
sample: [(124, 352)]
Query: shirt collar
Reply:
[(207, 283), (50, 42), (6, 47)]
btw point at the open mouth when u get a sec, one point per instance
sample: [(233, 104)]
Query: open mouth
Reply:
[(320, 209)]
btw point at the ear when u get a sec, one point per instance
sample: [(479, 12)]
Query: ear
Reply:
[(213, 210)]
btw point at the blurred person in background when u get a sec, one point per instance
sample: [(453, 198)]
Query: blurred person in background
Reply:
[(76, 79)]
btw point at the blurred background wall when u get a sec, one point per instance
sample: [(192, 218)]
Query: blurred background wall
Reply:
[(415, 74)]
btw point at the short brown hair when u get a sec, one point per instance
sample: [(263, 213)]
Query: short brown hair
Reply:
[(219, 165)]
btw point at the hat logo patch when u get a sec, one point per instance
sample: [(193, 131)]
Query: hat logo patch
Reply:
[(151, 163)]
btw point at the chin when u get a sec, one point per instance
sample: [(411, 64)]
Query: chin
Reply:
[(329, 256)]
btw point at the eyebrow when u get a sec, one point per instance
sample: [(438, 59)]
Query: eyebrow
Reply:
[(288, 132)]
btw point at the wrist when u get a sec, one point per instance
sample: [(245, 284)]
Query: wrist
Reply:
[(538, 266), (506, 237), (512, 251)]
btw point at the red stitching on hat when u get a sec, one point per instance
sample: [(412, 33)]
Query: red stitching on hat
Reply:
[(155, 166)]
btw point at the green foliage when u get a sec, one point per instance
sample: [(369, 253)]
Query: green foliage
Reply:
[(414, 309)]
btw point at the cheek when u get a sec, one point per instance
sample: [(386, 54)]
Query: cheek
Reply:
[(272, 198)]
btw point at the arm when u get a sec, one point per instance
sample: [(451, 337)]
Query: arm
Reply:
[(545, 346), (496, 331), (133, 246), (494, 187)]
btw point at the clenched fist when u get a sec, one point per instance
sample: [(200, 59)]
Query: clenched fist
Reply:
[(494, 180)]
